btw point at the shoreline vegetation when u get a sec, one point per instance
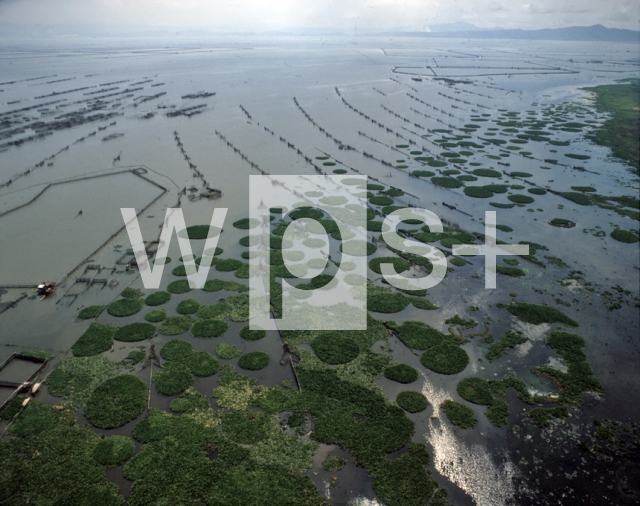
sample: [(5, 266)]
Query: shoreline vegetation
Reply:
[(621, 132)]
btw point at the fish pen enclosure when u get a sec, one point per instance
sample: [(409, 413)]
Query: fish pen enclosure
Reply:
[(16, 375)]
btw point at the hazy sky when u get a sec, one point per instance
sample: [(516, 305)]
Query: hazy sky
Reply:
[(345, 15)]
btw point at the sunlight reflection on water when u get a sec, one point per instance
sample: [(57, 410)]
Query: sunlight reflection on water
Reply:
[(468, 466)]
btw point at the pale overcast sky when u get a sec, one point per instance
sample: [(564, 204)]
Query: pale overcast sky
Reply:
[(346, 15)]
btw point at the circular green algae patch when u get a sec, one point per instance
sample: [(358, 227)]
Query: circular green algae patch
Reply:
[(116, 402), (254, 361), (445, 358), (413, 402), (252, 335), (209, 327), (401, 373), (135, 332), (91, 312), (157, 298), (624, 236), (180, 286), (125, 307), (156, 316), (175, 325), (188, 306)]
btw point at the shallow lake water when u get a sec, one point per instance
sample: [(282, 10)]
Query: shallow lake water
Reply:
[(397, 83)]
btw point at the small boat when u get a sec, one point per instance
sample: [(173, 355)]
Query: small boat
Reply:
[(45, 289)]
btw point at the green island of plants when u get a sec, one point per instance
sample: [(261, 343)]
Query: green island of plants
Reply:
[(180, 286), (252, 335), (419, 335), (401, 373), (537, 314), (413, 402), (445, 358), (227, 351), (135, 332), (459, 414), (125, 307), (210, 327), (175, 325), (333, 463), (509, 340), (116, 402), (157, 298), (625, 236), (254, 360), (156, 316), (96, 339)]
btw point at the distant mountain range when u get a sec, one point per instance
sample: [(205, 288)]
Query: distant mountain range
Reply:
[(584, 33)]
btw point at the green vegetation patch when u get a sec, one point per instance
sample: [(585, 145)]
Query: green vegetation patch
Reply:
[(513, 272), (252, 335), (496, 188), (423, 304), (175, 325), (413, 402), (624, 236), (219, 311), (228, 265), (116, 402), (173, 379), (114, 450), (445, 358), (478, 192), (384, 300), (125, 307), (538, 314), (476, 390), (584, 189), (521, 174), (96, 339), (335, 348), (188, 306), (333, 463), (246, 223), (135, 332), (75, 378), (246, 426), (487, 173), (254, 361), (423, 173), (562, 223), (131, 293), (381, 201), (578, 198), (91, 312), (202, 363), (576, 156), (180, 286), (51, 461), (520, 199), (399, 264), (157, 298), (228, 351), (509, 340), (401, 373), (209, 327), (201, 231), (156, 316), (459, 414), (446, 182), (419, 335)]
